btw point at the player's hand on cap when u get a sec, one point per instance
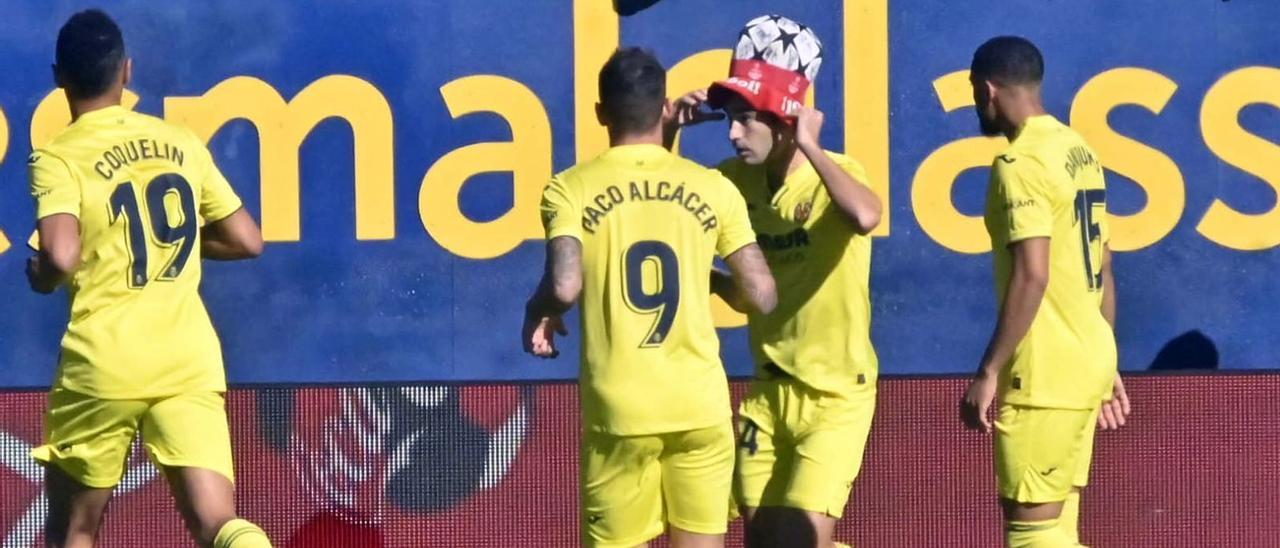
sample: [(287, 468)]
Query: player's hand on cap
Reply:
[(690, 110), (1114, 412), (977, 401), (808, 125), (540, 335)]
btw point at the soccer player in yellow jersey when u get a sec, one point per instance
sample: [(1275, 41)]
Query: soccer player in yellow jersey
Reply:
[(1052, 356), (127, 205), (632, 233), (804, 423)]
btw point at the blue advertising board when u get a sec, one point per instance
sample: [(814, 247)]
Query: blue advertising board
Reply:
[(394, 153)]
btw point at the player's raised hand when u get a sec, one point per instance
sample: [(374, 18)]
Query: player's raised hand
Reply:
[(690, 110), (808, 125), (1114, 413), (977, 401), (540, 335)]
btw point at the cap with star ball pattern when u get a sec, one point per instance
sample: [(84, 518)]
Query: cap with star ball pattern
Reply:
[(774, 62)]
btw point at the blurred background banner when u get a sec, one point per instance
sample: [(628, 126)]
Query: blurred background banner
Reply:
[(395, 152), (427, 466)]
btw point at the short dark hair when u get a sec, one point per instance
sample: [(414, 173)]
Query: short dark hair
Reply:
[(633, 90), (1008, 60), (89, 53)]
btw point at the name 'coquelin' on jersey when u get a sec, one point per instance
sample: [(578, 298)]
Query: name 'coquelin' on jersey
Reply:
[(128, 152)]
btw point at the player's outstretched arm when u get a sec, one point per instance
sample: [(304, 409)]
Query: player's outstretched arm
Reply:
[(1027, 284), (235, 237), (750, 287), (559, 289), (58, 253), (854, 198)]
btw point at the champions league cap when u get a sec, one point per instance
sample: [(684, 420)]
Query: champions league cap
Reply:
[(774, 63)]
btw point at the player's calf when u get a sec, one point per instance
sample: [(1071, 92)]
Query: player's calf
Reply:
[(206, 500), (75, 510)]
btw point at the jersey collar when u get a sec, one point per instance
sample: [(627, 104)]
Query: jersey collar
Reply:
[(636, 154), (102, 113)]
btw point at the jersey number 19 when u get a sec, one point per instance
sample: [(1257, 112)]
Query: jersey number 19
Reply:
[(165, 231)]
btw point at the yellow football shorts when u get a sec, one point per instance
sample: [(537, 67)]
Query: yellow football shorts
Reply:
[(1040, 454), (800, 448), (633, 485), (89, 438)]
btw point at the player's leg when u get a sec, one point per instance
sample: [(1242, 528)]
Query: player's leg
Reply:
[(621, 490), (830, 440), (765, 458), (1036, 452), (1069, 520), (86, 445), (755, 458), (827, 441), (697, 481), (75, 510), (188, 437)]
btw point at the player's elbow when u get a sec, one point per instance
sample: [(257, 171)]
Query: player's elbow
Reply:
[(1033, 280), (63, 259), (764, 296), (251, 246), (567, 290), (867, 221)]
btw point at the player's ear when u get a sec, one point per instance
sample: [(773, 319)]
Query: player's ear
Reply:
[(601, 116), (990, 88), (126, 72)]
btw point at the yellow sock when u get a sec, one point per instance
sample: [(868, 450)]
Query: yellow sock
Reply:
[(1035, 534), (840, 545), (1069, 519), (240, 533)]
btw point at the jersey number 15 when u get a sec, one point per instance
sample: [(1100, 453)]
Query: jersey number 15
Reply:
[(1088, 203)]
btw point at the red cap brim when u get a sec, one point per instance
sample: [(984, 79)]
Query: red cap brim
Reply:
[(763, 86)]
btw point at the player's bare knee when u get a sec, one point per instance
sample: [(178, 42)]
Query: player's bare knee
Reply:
[(1020, 511), (780, 527)]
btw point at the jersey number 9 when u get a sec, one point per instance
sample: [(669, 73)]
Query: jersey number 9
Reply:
[(665, 301)]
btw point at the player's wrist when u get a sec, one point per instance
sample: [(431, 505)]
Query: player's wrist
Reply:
[(987, 371), (810, 147)]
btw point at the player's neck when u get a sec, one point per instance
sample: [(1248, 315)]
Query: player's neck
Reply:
[(782, 163), (1017, 116), (652, 137), (80, 107)]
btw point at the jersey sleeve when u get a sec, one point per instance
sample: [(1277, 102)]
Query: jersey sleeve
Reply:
[(53, 186), (558, 209), (1022, 195), (217, 199), (735, 227)]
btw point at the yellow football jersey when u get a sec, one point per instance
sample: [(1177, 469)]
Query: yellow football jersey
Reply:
[(820, 333), (1049, 183), (141, 188), (650, 223)]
